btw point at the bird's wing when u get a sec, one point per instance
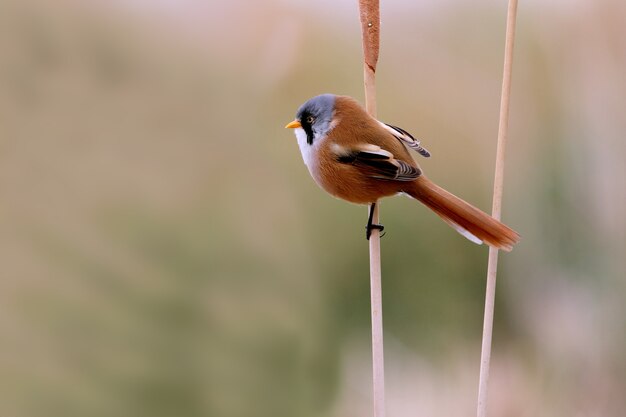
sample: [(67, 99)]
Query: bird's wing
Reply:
[(406, 138), (376, 162)]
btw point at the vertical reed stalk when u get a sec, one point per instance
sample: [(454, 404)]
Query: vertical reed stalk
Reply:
[(492, 266), (370, 29)]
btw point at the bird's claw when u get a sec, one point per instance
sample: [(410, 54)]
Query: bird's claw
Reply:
[(370, 227)]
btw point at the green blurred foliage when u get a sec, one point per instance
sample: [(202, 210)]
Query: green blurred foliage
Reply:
[(165, 253)]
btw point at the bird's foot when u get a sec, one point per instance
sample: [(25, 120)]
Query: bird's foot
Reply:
[(372, 226)]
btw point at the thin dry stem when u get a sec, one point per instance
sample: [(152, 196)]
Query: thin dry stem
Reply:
[(492, 267), (378, 363), (370, 27)]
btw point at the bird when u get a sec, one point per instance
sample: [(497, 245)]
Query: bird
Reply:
[(357, 158)]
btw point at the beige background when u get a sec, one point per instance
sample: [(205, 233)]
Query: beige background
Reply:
[(164, 252)]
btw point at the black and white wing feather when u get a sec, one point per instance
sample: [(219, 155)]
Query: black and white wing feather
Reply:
[(377, 163), (406, 138)]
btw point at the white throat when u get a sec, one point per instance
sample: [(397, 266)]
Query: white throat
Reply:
[(309, 152)]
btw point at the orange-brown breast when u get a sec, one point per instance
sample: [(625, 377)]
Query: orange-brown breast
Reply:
[(354, 126)]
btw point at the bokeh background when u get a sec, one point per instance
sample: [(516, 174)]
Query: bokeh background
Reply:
[(164, 251)]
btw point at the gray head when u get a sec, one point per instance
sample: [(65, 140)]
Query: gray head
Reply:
[(316, 115)]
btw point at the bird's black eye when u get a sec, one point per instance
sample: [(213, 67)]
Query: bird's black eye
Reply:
[(310, 119)]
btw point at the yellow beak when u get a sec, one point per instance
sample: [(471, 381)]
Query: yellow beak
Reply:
[(293, 125)]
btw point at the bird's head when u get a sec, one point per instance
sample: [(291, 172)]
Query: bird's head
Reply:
[(315, 117)]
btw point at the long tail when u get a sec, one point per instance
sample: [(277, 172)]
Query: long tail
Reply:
[(466, 219)]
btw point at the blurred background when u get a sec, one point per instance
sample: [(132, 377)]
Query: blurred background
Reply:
[(164, 251)]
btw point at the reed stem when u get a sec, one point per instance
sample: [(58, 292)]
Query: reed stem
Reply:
[(492, 266), (370, 29)]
